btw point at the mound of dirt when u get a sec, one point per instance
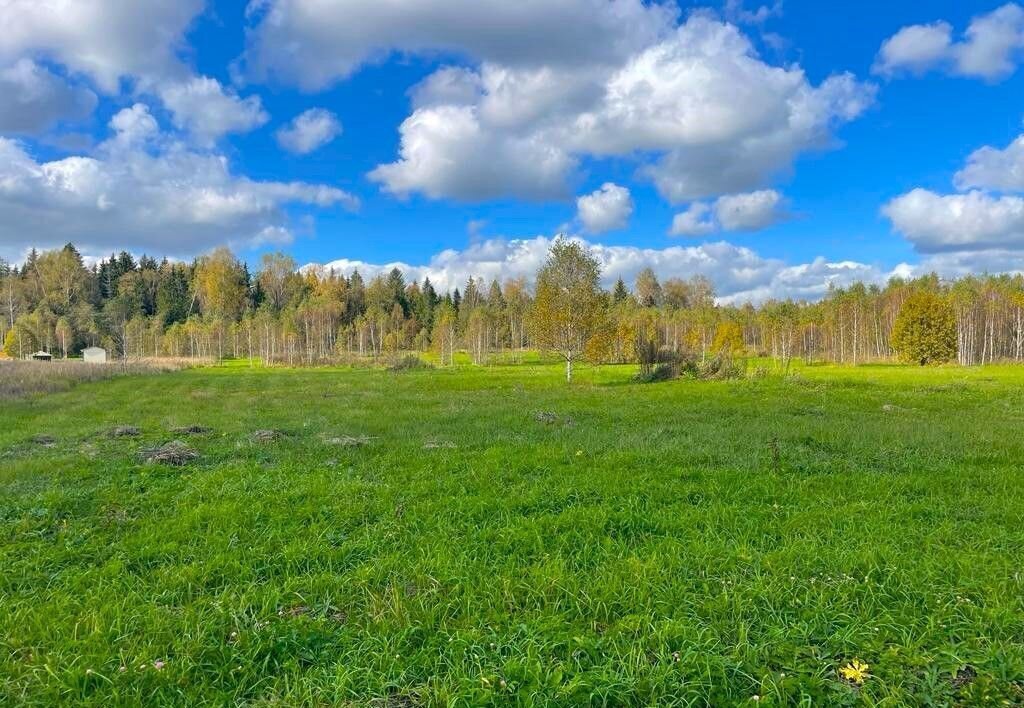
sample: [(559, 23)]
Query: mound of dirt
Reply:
[(44, 440), (175, 453), (263, 436), (349, 440), (192, 430), (125, 431)]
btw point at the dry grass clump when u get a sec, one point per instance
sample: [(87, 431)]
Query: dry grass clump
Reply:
[(264, 436), (175, 453), (192, 430), (350, 440), (125, 431), (24, 378)]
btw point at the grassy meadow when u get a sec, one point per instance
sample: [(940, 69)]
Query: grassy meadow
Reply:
[(492, 536)]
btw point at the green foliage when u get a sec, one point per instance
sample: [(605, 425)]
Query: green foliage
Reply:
[(925, 329), (569, 307), (409, 362)]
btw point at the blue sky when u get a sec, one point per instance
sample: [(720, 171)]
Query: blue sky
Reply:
[(806, 143)]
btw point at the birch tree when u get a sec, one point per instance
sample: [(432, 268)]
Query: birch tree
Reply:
[(569, 308)]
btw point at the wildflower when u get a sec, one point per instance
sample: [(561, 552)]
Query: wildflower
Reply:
[(579, 453), (158, 665), (855, 672), (755, 698)]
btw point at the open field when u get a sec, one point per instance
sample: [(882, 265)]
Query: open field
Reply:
[(23, 378), (492, 536)]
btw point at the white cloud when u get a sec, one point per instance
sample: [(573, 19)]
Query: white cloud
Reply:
[(446, 152), (133, 127), (721, 119), (144, 192), (991, 168), (991, 47), (965, 222), (751, 211), (205, 109), (738, 274), (34, 98), (309, 131), (916, 49), (312, 43), (735, 11), (605, 209), (694, 221), (104, 39)]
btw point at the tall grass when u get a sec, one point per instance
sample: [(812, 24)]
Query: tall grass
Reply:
[(24, 378)]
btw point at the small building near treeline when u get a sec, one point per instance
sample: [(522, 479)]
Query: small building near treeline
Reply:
[(42, 356), (94, 355)]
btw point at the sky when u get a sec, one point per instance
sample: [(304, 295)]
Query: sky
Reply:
[(776, 147)]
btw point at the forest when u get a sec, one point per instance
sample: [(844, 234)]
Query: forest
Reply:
[(216, 307)]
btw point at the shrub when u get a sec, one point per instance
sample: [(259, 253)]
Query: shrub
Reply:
[(409, 362), (718, 367), (925, 329)]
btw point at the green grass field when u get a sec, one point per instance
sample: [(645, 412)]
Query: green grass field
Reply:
[(683, 543)]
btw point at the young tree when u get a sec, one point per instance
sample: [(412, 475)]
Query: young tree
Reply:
[(648, 289), (220, 284), (925, 329), (569, 307)]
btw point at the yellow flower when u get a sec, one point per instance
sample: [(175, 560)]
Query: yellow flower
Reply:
[(579, 453), (855, 672)]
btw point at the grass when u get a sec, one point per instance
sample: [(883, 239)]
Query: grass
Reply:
[(684, 543), (25, 378)]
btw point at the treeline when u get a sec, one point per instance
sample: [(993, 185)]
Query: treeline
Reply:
[(216, 307)]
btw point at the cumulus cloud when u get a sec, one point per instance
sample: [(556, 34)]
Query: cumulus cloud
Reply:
[(144, 191), (312, 44), (605, 209), (751, 211), (446, 152), (695, 221), (208, 111), (992, 168), (738, 274), (990, 49), (34, 98), (103, 39), (720, 119), (972, 221), (309, 131)]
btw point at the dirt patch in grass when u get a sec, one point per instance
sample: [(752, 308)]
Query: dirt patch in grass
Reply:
[(175, 453), (349, 440), (265, 436), (439, 445), (192, 430), (125, 431), (43, 440), (965, 676)]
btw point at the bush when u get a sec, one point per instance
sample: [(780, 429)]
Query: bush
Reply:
[(718, 367), (409, 362), (925, 330)]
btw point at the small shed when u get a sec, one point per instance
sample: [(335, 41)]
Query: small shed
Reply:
[(94, 355), (42, 356)]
